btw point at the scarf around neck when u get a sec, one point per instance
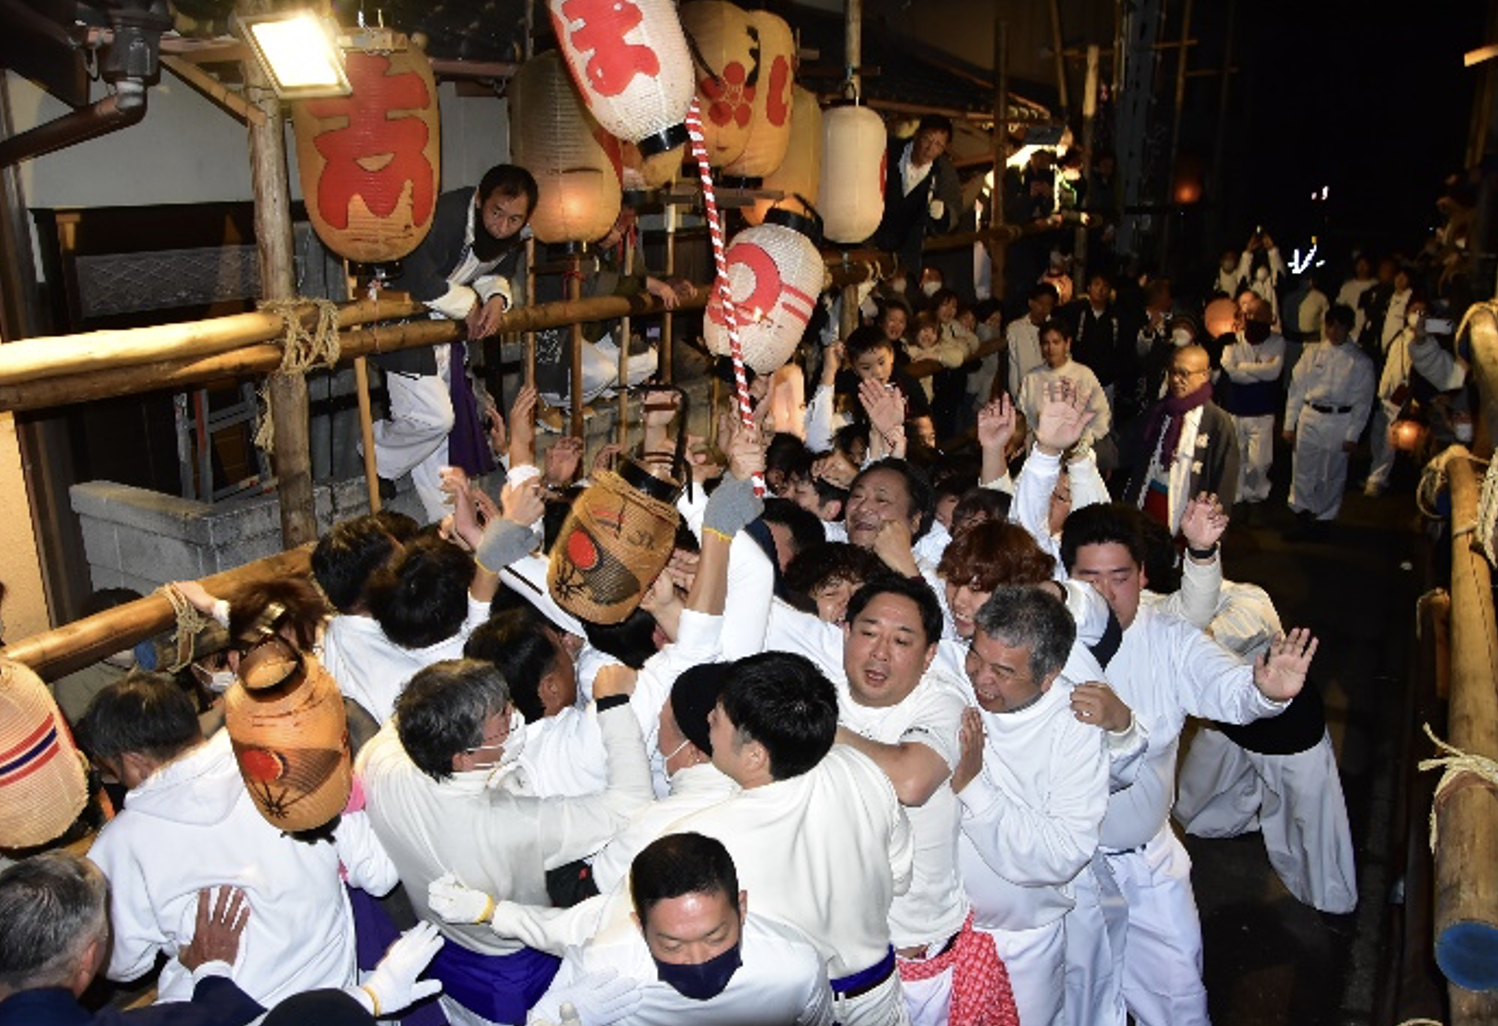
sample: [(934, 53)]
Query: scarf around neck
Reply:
[(1176, 409)]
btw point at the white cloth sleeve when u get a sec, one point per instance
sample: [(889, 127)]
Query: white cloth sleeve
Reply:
[(456, 303), (746, 612), (584, 825), (365, 863)]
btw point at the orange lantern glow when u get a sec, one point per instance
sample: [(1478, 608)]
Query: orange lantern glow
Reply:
[(1407, 435), (1220, 317), (735, 74), (561, 144), (770, 125), (774, 275), (853, 169), (370, 162), (800, 173), (630, 61)]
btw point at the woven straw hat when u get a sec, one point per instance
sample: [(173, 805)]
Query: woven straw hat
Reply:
[(42, 782)]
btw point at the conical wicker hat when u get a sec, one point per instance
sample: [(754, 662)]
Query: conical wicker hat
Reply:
[(42, 782)]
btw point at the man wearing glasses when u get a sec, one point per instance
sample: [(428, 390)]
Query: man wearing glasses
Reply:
[(1184, 445)]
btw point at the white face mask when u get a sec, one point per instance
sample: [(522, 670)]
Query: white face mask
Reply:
[(930, 288), (674, 753), (219, 682), (1463, 430), (509, 752), (1181, 337)]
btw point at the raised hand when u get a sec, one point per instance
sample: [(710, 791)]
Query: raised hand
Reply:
[(746, 453), (970, 763), (523, 427), (522, 502), (1203, 521), (996, 422), (1063, 418), (1280, 673), (1097, 705), (563, 460), (465, 517)]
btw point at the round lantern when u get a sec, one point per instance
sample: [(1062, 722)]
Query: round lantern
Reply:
[(770, 126), (370, 162), (613, 544), (557, 141), (729, 44), (853, 168), (42, 783), (1407, 434), (286, 720), (631, 64), (799, 174), (1220, 317), (774, 275)]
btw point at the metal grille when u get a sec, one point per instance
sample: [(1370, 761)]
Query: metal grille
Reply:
[(118, 283)]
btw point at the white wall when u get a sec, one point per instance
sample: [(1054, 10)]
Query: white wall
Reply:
[(187, 150)]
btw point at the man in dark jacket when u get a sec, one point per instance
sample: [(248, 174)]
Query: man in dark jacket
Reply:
[(921, 195)]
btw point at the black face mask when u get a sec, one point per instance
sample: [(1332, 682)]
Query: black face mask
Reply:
[(486, 246), (703, 981), (1256, 331)]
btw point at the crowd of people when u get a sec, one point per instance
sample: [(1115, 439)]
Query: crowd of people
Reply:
[(893, 737)]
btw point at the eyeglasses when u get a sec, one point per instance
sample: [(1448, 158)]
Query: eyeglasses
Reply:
[(1183, 373), (502, 733)]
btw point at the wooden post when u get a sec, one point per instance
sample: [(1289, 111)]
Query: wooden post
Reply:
[(530, 300), (1057, 47), (1466, 919), (575, 292), (366, 432), (663, 355), (1089, 134), (853, 45), (1175, 134), (621, 430), (1483, 336), (997, 250), (292, 458), (848, 314)]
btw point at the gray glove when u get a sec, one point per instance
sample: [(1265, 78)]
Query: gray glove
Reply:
[(732, 506)]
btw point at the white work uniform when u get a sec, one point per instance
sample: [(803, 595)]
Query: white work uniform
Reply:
[(373, 670), (1164, 670), (1331, 392), (782, 981), (1406, 355), (1250, 365), (693, 788), (192, 825), (1032, 390), (1030, 822)]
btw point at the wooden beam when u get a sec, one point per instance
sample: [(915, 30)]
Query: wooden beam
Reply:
[(226, 99)]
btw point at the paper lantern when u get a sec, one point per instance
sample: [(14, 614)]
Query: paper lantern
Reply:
[(42, 782), (770, 125), (615, 541), (1220, 317), (370, 162), (853, 168), (774, 275), (286, 720), (1406, 435), (800, 173), (561, 144), (642, 172), (729, 44), (631, 64)]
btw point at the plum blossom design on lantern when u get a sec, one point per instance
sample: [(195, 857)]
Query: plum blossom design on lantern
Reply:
[(732, 98)]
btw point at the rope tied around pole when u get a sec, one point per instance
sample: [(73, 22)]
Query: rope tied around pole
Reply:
[(1462, 770), (301, 351), (190, 623)]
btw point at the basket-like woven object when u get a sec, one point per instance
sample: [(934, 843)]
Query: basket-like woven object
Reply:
[(853, 169), (286, 719), (612, 545), (42, 781)]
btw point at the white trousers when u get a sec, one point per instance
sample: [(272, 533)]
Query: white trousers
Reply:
[(1150, 962), (601, 370), (414, 438), (1255, 455), (1384, 415), (1319, 474), (929, 1002), (1295, 801), (882, 1006), (1036, 961)]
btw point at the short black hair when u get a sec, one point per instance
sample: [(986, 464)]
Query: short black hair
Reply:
[(345, 557), (1104, 523), (1041, 289), (826, 563), (441, 712), (510, 180), (806, 530), (400, 526), (922, 501), (1057, 324), (987, 503), (631, 640), (944, 294), (519, 643), (143, 713), (865, 340), (914, 588), (935, 123), (421, 596), (1343, 315), (783, 701), (784, 452), (1020, 615), (677, 864)]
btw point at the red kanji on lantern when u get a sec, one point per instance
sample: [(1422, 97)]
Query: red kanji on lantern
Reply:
[(603, 24)]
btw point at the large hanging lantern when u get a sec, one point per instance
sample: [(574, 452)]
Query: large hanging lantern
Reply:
[(799, 175), (770, 125), (774, 275), (730, 46), (42, 782), (853, 168), (370, 162), (286, 720), (615, 542), (631, 64), (558, 142)]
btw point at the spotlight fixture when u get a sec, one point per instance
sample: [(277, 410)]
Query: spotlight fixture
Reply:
[(299, 53)]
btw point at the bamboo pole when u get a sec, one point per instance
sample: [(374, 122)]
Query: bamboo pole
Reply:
[(1058, 48), (853, 46), (31, 359), (1466, 919), (530, 300), (996, 253), (622, 428), (668, 321), (366, 432), (61, 388), (575, 293), (1483, 336), (84, 642)]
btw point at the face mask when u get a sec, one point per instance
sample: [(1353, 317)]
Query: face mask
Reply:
[(700, 982), (1255, 331), (509, 752), (1463, 431), (674, 753), (218, 682), (930, 288), (1181, 337), (1262, 274)]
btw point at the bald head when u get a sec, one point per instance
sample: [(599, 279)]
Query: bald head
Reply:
[(1189, 367)]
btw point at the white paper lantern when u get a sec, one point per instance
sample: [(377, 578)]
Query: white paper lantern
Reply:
[(853, 169), (560, 143), (631, 64), (774, 275), (800, 173), (770, 126)]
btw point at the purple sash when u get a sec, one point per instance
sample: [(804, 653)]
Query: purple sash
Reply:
[(501, 988), (468, 444)]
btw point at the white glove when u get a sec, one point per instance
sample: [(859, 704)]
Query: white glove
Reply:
[(453, 902), (393, 984), (938, 209), (592, 999)]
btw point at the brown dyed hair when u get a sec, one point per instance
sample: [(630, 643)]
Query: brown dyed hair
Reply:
[(992, 553)]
